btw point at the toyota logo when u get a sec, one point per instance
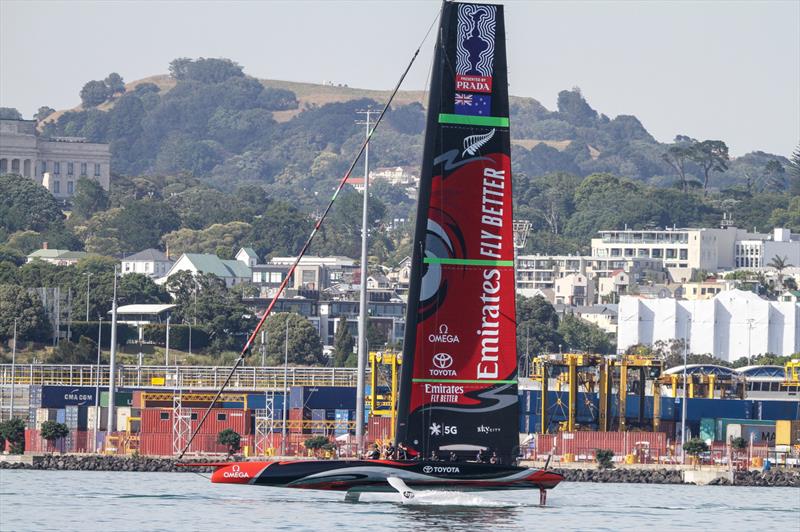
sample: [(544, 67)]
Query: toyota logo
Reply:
[(442, 360), (427, 469)]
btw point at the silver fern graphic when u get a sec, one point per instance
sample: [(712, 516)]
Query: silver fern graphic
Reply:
[(475, 142)]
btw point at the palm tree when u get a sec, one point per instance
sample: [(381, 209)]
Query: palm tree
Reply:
[(780, 264)]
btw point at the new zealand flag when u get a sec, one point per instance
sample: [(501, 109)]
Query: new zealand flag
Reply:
[(473, 104)]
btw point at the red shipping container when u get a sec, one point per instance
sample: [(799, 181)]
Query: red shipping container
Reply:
[(137, 399), (156, 420), (220, 419), (379, 428), (155, 444)]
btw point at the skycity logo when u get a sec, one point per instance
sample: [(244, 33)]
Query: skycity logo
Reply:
[(486, 430)]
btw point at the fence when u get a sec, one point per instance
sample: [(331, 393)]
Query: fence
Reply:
[(257, 378)]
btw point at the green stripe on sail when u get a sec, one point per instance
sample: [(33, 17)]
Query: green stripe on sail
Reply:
[(467, 381), (468, 262), (469, 120)]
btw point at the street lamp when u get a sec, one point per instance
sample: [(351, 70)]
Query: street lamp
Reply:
[(685, 385), (285, 388)]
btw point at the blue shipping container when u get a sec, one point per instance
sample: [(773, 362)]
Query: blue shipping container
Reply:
[(258, 401), (61, 396), (322, 397)]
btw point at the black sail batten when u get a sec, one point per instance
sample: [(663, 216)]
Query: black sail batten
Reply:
[(458, 386)]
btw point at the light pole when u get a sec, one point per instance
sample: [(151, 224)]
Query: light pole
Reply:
[(285, 387), (685, 385), (88, 277), (97, 382), (112, 362), (13, 368), (166, 349)]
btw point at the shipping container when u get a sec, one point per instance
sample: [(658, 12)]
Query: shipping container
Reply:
[(61, 396), (708, 429), (775, 410), (341, 416), (123, 413), (120, 399), (76, 417), (759, 433), (258, 401), (722, 426), (379, 429), (322, 397), (220, 419), (787, 432), (97, 418), (45, 414), (61, 415), (156, 421)]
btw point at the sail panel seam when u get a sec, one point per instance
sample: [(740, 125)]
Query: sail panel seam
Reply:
[(468, 262), (470, 120)]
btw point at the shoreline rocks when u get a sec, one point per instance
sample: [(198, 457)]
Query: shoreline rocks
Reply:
[(90, 462)]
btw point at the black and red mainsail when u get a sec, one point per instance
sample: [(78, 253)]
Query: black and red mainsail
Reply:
[(459, 377)]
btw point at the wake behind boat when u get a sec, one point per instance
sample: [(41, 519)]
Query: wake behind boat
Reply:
[(458, 387)]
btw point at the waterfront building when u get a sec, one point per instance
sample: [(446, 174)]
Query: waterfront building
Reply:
[(151, 262), (731, 325), (317, 273), (55, 162)]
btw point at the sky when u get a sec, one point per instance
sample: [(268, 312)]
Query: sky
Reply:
[(711, 70)]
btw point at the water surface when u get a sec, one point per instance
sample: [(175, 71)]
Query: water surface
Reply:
[(89, 500)]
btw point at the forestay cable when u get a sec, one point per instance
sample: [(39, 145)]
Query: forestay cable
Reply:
[(304, 249)]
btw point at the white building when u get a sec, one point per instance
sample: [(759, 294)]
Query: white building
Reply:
[(233, 272), (759, 253), (56, 163), (731, 325), (683, 251), (151, 262)]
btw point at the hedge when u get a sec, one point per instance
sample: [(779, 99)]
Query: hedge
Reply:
[(125, 332), (156, 333)]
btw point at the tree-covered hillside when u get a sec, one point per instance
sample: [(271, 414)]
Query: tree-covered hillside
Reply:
[(211, 121)]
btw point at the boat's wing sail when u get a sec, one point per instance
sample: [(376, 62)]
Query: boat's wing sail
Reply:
[(458, 387)]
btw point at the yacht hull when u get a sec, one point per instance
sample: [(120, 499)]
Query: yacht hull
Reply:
[(372, 475)]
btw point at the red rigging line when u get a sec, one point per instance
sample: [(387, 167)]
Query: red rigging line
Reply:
[(307, 244)]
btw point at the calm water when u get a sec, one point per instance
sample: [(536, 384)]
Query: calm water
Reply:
[(71, 500)]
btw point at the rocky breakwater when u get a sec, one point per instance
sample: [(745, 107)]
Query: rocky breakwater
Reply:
[(105, 463), (786, 478), (636, 476)]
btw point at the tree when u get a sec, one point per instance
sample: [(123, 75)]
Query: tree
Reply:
[(537, 326), (305, 348), (94, 93), (712, 156), (24, 205), (115, 84), (52, 431), (794, 172), (229, 236), (775, 176), (10, 113), (342, 344), (17, 302), (695, 447), (678, 155), (604, 458), (780, 264), (231, 439), (13, 431), (89, 198), (582, 336), (43, 112), (317, 444), (67, 352)]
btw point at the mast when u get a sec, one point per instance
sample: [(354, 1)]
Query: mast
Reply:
[(362, 314), (112, 362), (459, 376)]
